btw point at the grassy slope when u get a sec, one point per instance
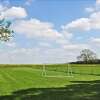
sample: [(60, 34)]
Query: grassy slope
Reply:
[(25, 83)]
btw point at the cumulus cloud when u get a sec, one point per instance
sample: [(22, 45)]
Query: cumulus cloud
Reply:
[(78, 24), (35, 28), (92, 22), (12, 12), (85, 24)]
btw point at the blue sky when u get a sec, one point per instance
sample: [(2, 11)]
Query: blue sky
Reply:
[(50, 31)]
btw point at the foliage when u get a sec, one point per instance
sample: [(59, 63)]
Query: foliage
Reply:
[(5, 31)]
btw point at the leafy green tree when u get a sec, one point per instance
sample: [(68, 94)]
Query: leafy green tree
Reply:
[(87, 56), (5, 32)]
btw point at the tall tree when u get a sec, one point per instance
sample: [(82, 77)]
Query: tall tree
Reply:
[(87, 56), (5, 31)]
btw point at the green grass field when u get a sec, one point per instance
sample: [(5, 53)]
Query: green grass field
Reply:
[(25, 82)]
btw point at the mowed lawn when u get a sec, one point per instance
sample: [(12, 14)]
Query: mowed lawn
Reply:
[(25, 82)]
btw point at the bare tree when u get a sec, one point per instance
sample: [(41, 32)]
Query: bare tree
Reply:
[(87, 55)]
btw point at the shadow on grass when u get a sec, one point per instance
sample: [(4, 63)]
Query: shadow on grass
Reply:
[(79, 90)]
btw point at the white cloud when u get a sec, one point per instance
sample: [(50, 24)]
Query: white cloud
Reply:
[(19, 56), (12, 12), (75, 46), (95, 20), (85, 24), (78, 24), (62, 41), (45, 44), (32, 55), (94, 8), (11, 44), (95, 40), (98, 2), (38, 55), (90, 9), (2, 8), (35, 28)]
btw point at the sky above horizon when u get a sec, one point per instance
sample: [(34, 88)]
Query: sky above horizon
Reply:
[(50, 31)]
